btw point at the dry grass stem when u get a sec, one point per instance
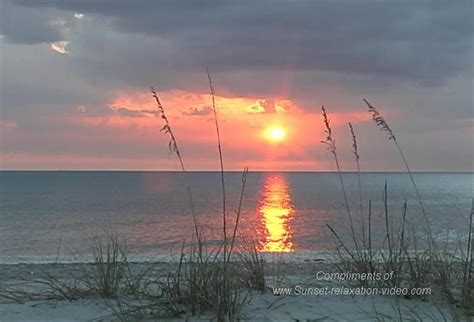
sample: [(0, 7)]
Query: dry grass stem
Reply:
[(221, 162), (331, 145), (355, 151), (239, 209), (173, 147), (384, 127)]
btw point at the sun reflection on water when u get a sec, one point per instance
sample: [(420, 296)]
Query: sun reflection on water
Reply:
[(276, 211)]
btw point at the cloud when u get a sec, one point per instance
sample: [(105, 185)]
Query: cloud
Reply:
[(60, 47), (7, 125), (133, 106), (27, 25), (206, 110), (132, 113), (426, 41), (270, 106), (263, 106)]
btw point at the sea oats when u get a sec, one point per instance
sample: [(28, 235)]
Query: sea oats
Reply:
[(379, 120), (331, 145), (355, 151), (384, 127), (330, 142)]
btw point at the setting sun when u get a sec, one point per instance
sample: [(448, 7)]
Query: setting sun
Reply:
[(275, 134)]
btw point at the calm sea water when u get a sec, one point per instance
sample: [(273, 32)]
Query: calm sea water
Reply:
[(283, 212)]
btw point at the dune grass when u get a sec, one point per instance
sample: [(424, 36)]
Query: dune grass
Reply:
[(467, 292), (205, 280), (446, 269)]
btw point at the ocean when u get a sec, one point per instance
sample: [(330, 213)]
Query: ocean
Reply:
[(46, 213)]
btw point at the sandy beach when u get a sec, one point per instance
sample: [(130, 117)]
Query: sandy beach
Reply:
[(23, 298)]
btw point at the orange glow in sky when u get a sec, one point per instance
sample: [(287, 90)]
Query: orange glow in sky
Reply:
[(271, 133)]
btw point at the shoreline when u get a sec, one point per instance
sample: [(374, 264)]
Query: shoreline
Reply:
[(302, 256)]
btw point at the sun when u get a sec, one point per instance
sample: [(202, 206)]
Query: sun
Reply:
[(275, 134)]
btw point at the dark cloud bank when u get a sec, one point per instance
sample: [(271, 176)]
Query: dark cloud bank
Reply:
[(428, 41)]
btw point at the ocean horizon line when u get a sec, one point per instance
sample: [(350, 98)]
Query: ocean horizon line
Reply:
[(230, 171)]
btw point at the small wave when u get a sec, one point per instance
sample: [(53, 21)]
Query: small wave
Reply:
[(304, 256)]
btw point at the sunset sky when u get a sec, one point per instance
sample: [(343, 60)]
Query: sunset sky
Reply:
[(75, 79)]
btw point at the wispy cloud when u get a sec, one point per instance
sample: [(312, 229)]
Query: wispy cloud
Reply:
[(60, 47), (198, 111), (270, 106), (7, 125)]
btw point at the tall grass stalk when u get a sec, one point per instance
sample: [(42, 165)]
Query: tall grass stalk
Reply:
[(467, 296), (384, 127), (369, 224), (355, 151), (387, 225), (225, 277), (207, 281), (331, 145), (239, 209), (173, 143), (219, 147), (110, 261), (173, 147), (341, 243), (253, 266)]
